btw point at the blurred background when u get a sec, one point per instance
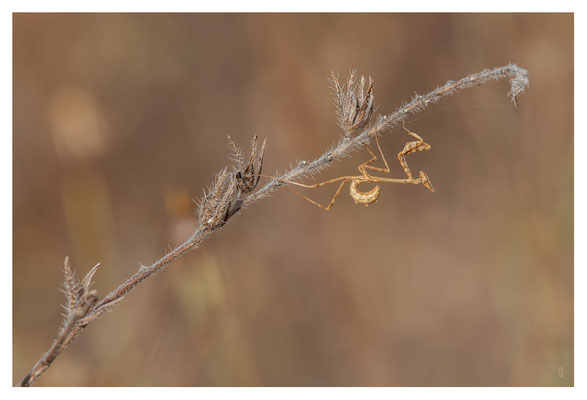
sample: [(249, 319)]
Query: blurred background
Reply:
[(120, 122)]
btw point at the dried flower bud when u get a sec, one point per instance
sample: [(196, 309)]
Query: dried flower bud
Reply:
[(354, 106), (209, 203), (80, 299), (248, 176), (224, 198), (216, 205)]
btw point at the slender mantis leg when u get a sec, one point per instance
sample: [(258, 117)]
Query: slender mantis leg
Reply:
[(344, 180), (365, 165), (327, 208)]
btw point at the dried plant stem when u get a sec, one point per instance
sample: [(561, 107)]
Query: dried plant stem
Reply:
[(77, 324), (79, 318), (64, 338)]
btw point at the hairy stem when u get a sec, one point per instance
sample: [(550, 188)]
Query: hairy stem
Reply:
[(518, 82), (66, 335)]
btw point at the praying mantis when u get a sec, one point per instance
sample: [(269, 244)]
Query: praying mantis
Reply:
[(366, 198)]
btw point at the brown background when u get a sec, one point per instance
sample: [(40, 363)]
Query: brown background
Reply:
[(121, 120)]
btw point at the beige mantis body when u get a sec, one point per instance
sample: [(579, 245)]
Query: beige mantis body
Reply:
[(371, 196)]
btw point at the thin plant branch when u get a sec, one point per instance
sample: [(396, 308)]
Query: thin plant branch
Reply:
[(232, 191)]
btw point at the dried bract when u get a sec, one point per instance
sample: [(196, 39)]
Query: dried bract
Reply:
[(230, 197), (247, 177), (354, 105), (209, 202), (216, 204), (80, 299)]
